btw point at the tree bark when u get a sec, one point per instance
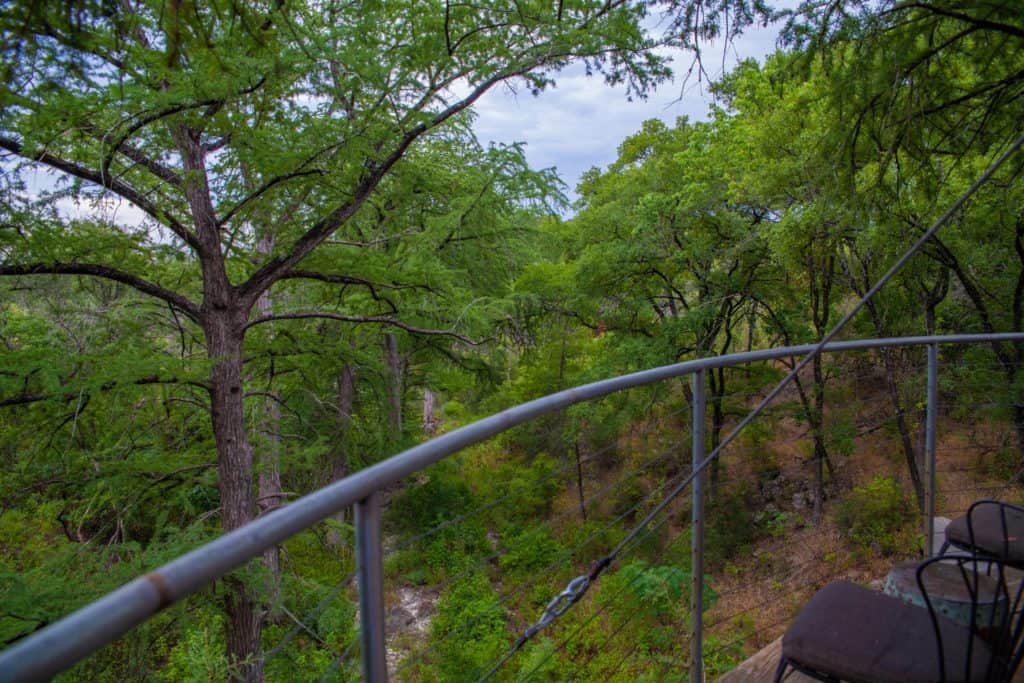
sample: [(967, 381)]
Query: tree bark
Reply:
[(223, 318), (579, 481), (343, 419), (821, 310), (224, 335), (817, 419), (344, 407), (892, 388), (393, 362), (269, 497)]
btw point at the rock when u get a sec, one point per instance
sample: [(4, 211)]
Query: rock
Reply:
[(412, 613)]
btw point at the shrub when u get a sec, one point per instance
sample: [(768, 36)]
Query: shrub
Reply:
[(875, 514), (731, 524), (472, 608), (532, 487), (529, 552), (442, 496)]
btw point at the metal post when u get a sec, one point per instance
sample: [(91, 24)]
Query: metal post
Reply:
[(929, 449), (697, 545), (370, 561)]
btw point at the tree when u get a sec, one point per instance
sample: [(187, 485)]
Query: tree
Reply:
[(928, 77), (665, 253), (227, 125)]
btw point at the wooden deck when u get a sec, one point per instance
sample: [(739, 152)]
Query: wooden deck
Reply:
[(761, 668)]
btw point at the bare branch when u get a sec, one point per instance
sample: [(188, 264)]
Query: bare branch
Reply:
[(352, 280)]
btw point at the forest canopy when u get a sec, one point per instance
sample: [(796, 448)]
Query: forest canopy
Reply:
[(322, 265)]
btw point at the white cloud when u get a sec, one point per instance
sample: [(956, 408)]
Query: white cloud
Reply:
[(580, 123), (107, 209)]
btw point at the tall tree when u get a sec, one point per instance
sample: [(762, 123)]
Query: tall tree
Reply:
[(223, 123), (666, 254)]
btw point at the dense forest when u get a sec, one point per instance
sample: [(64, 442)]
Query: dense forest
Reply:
[(291, 258)]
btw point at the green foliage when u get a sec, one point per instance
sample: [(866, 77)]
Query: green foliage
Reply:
[(199, 656), (531, 486), (657, 591), (529, 554), (875, 515), (732, 526), (541, 662), (327, 144), (439, 496), (472, 600)]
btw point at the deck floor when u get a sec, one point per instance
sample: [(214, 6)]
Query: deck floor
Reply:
[(761, 668)]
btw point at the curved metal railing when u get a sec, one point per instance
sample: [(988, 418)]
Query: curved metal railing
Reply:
[(62, 644)]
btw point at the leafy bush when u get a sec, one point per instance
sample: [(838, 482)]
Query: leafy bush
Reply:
[(874, 515), (532, 486), (659, 591), (541, 662), (472, 608), (529, 552), (732, 526), (199, 655), (443, 495)]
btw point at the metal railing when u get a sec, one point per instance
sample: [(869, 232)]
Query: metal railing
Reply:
[(62, 644)]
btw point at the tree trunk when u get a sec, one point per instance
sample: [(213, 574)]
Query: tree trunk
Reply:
[(224, 334), (892, 388), (223, 319), (901, 423), (817, 419), (717, 377), (343, 419), (345, 405), (579, 481), (393, 361), (821, 310), (269, 497), (430, 421)]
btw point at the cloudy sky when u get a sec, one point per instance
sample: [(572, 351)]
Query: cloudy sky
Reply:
[(580, 123)]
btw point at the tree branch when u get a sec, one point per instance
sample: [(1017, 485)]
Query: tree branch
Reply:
[(182, 303), (352, 280), (325, 227), (986, 24), (161, 171), (258, 192), (115, 185), (371, 319), (26, 398), (153, 117)]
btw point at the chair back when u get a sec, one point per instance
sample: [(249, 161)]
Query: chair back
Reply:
[(995, 527), (990, 606)]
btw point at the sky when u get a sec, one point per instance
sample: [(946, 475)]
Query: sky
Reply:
[(580, 122)]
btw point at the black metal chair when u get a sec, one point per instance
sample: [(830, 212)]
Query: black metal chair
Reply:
[(851, 633), (991, 528)]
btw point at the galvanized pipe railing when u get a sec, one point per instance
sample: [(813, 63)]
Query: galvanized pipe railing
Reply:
[(370, 573), (929, 449), (62, 644), (697, 539)]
